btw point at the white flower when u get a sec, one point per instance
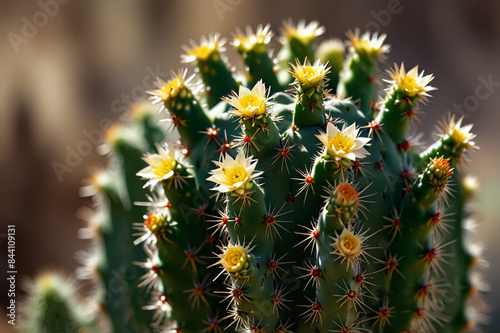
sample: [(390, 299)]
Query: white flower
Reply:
[(249, 104), (345, 143), (234, 174), (161, 166)]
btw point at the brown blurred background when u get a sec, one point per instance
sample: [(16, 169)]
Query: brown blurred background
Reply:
[(64, 72)]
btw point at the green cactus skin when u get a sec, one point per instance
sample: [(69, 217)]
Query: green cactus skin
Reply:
[(291, 212), (117, 190)]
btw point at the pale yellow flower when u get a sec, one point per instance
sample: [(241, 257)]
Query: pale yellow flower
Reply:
[(249, 104), (235, 259), (344, 143), (309, 76), (161, 166), (461, 135), (257, 41), (234, 174), (368, 45), (349, 246), (411, 82), (176, 86), (204, 50)]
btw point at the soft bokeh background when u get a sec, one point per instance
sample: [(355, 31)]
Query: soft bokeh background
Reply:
[(92, 58)]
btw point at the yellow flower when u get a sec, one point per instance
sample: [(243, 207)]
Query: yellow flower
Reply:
[(411, 82), (305, 33), (233, 259), (249, 104), (161, 166), (366, 45), (234, 174), (309, 76), (173, 88), (345, 143), (460, 134), (253, 41), (348, 244), (202, 51)]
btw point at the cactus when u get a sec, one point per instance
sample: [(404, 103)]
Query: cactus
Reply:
[(291, 210), (53, 305)]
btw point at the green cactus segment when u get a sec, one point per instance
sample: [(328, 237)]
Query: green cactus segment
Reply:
[(309, 80), (261, 135), (129, 148), (186, 112), (400, 105), (248, 225), (298, 45), (116, 261), (111, 221), (358, 78), (331, 52), (181, 254), (182, 269), (118, 188), (146, 116), (424, 255), (468, 283), (432, 182), (454, 141), (212, 68), (258, 64), (53, 305), (340, 249)]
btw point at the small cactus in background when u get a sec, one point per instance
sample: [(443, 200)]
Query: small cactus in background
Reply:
[(55, 306), (294, 199)]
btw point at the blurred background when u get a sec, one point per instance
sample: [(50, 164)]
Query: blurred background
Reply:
[(68, 67)]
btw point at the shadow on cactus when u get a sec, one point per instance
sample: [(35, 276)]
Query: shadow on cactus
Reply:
[(293, 201)]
